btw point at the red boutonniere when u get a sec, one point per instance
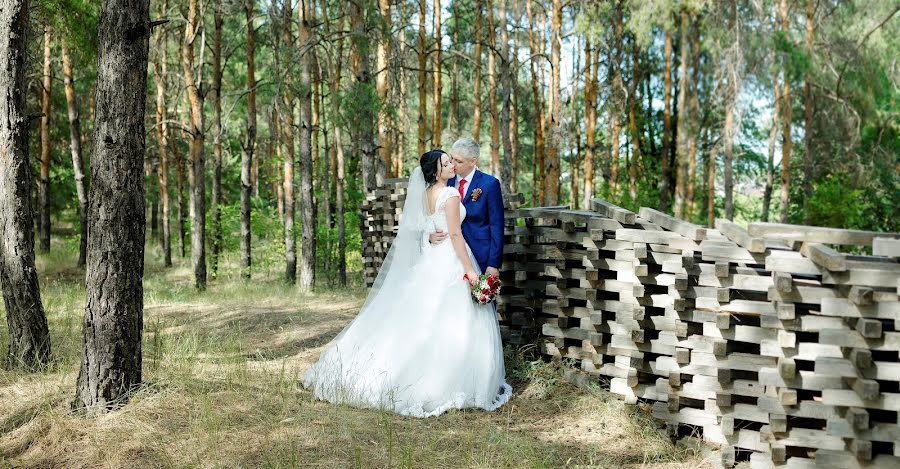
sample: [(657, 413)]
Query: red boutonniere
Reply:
[(476, 193)]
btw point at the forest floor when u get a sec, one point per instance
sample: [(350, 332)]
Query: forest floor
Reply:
[(221, 389)]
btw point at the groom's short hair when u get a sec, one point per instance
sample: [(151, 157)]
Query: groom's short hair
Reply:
[(467, 147)]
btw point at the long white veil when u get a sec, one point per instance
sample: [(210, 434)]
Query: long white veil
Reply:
[(405, 251)]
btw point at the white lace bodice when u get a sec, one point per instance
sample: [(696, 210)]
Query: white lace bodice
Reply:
[(438, 220)]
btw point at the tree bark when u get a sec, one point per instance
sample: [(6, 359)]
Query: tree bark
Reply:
[(537, 175), (476, 72), (808, 109), (682, 138), (382, 82), (338, 156), (694, 124), (287, 133), (787, 143), (591, 64), (359, 60), (710, 180), (453, 114), (75, 147), (492, 88), (551, 162), (514, 100), (506, 81), (196, 158), (732, 92), (29, 338), (179, 182), (249, 143), (615, 107), (44, 187), (632, 123), (773, 135), (423, 78), (162, 136), (307, 207), (436, 125), (111, 362), (400, 128), (217, 138)]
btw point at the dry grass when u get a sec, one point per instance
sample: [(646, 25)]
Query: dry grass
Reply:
[(221, 388)]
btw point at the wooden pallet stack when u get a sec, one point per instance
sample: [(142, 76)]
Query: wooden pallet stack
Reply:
[(771, 343), (379, 219), (532, 256), (837, 376), (770, 340)]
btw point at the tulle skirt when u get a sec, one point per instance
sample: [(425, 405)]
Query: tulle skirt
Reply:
[(420, 351)]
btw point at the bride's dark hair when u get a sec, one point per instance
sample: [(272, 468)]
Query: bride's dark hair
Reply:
[(429, 164)]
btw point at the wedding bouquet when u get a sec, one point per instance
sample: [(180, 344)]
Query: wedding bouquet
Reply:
[(486, 289)]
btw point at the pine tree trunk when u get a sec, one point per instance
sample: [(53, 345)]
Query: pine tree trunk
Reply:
[(551, 162), (287, 135), (422, 54), (382, 83), (247, 150), (75, 147), (454, 74), (196, 158), (537, 175), (217, 139), (694, 124), (787, 143), (113, 322), (436, 125), (773, 136), (808, 109), (575, 149), (400, 128), (492, 88), (591, 64), (710, 180), (728, 147), (307, 207), (615, 74), (359, 60), (179, 182), (682, 138), (649, 113), (506, 81), (338, 156), (162, 136), (514, 99), (44, 187), (151, 168), (632, 123), (476, 71), (29, 338)]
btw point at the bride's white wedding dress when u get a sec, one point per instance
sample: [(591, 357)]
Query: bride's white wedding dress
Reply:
[(420, 346)]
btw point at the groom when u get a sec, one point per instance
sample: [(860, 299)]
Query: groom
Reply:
[(483, 227)]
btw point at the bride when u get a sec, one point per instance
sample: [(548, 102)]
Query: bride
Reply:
[(419, 346)]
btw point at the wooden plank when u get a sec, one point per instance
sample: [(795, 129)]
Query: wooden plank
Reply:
[(740, 236), (688, 230), (816, 234), (824, 256), (883, 246), (615, 212)]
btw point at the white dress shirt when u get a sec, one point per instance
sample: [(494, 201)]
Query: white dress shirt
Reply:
[(468, 182)]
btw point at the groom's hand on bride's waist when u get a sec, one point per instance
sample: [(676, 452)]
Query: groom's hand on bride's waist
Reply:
[(437, 237)]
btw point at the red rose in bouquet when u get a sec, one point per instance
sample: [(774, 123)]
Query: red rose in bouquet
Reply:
[(486, 289)]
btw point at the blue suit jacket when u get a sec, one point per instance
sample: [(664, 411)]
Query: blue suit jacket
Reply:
[(483, 226)]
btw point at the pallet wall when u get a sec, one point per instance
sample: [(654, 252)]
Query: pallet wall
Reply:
[(768, 340)]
